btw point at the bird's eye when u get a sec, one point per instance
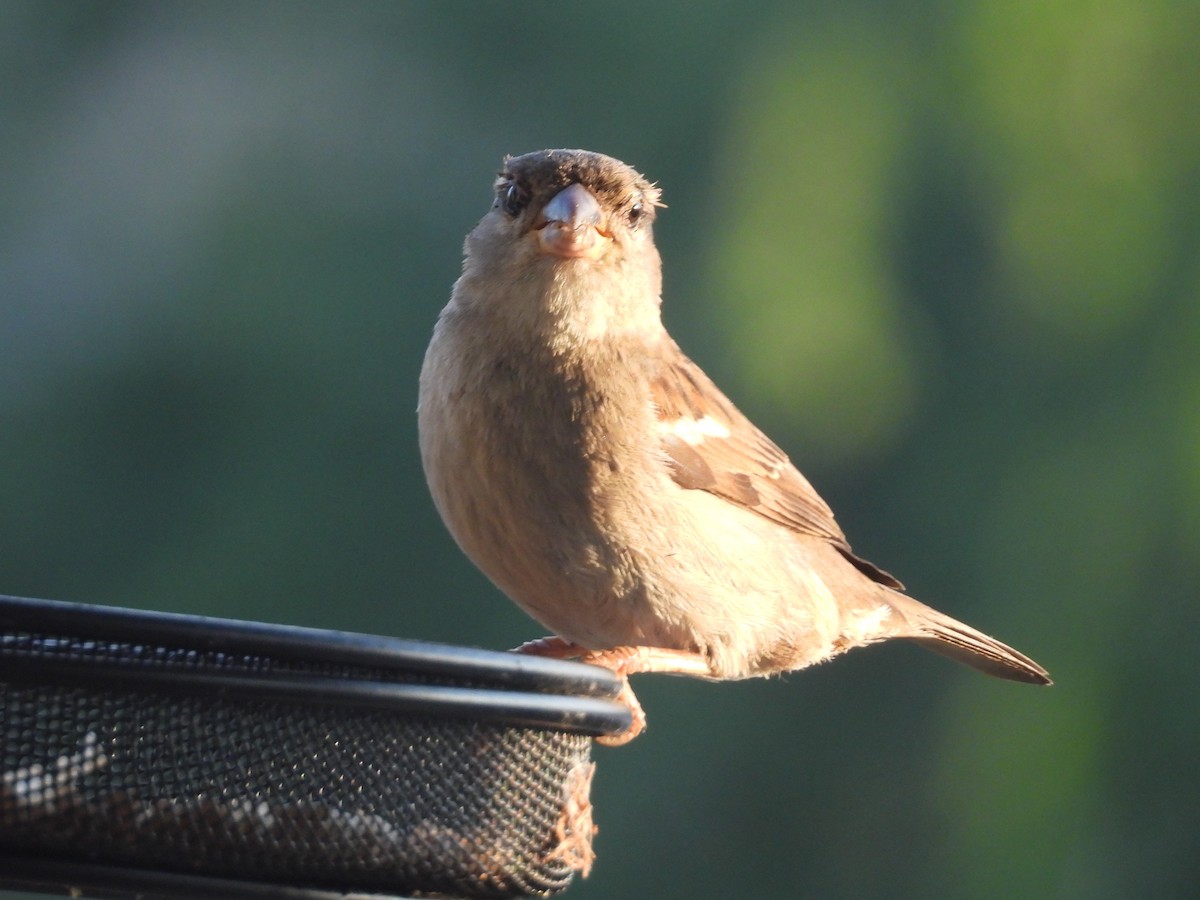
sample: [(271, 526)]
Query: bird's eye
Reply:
[(635, 212), (513, 199)]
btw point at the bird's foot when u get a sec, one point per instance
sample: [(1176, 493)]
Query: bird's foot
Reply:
[(637, 718), (626, 661), (623, 661), (555, 647)]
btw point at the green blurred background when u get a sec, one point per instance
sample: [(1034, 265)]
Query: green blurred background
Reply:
[(946, 254)]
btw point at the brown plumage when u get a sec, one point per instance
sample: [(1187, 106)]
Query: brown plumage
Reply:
[(602, 480)]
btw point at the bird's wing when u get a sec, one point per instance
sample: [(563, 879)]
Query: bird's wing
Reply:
[(711, 446)]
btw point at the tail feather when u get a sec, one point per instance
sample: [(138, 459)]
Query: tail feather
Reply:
[(960, 642)]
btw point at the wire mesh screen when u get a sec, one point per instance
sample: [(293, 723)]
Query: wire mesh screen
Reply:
[(318, 773)]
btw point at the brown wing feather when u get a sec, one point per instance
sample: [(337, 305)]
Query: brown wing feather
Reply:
[(712, 447)]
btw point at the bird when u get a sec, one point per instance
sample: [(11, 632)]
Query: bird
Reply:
[(602, 481)]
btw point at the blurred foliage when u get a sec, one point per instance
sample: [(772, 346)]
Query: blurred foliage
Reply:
[(946, 254)]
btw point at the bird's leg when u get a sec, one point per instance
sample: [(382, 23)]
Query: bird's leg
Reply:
[(634, 660), (622, 660)]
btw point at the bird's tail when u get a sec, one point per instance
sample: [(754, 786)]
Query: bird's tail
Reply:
[(938, 632)]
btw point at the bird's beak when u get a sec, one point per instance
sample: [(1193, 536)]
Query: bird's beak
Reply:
[(570, 225)]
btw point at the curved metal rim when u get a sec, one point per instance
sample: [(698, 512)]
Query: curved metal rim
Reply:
[(557, 712), (294, 642)]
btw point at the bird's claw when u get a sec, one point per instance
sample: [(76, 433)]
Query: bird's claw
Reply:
[(624, 661)]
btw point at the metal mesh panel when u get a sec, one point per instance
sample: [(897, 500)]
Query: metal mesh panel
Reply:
[(333, 795)]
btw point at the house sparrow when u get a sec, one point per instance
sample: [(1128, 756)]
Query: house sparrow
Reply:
[(606, 485)]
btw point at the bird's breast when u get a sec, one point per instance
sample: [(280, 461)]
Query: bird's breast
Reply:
[(520, 454)]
